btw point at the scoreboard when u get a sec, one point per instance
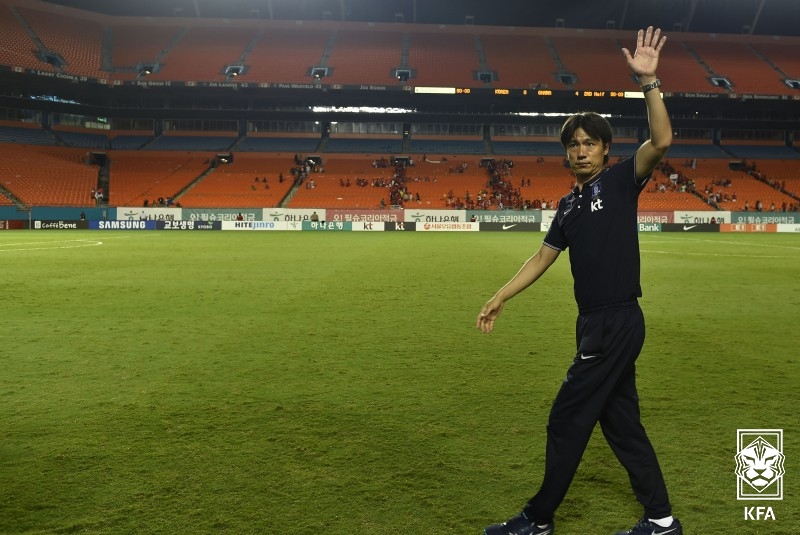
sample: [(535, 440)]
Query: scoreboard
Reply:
[(508, 92)]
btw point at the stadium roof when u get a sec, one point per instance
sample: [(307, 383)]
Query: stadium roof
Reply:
[(763, 17)]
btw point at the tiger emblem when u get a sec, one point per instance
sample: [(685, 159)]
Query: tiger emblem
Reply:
[(759, 464)]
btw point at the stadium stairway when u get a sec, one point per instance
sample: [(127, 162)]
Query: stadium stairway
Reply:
[(29, 30), (8, 198), (193, 183)]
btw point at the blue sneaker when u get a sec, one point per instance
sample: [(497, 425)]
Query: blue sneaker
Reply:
[(519, 525), (646, 527)]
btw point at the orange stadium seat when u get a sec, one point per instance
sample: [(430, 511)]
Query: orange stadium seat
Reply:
[(16, 46), (747, 188), (285, 55), (135, 44), (241, 184), (46, 175), (204, 52), (434, 181), (782, 171), (681, 72), (329, 193), (78, 41), (365, 57), (443, 59), (520, 60), (138, 176), (737, 62), (783, 56), (596, 61)]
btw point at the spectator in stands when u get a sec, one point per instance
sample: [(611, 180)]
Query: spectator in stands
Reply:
[(597, 222)]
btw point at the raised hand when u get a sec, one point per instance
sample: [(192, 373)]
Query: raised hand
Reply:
[(644, 60)]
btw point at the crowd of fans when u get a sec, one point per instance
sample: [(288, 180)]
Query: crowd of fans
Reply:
[(779, 185), (502, 192), (719, 190)]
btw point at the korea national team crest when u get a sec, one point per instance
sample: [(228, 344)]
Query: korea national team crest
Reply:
[(597, 202), (759, 464)]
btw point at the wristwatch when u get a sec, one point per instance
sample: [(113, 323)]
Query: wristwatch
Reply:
[(648, 87)]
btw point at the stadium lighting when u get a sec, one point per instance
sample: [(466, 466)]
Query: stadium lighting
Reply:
[(145, 69), (232, 71)]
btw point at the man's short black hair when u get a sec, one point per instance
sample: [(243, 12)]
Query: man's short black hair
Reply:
[(594, 124)]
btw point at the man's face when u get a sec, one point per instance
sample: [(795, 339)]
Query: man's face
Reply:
[(586, 155)]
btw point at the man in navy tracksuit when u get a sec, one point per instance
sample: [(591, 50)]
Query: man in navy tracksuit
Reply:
[(597, 222)]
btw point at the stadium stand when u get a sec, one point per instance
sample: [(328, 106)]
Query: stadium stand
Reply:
[(446, 146), (595, 61), (203, 53), (256, 143), (16, 45), (133, 45), (783, 56), (85, 140), (130, 142), (281, 52), (327, 189), (682, 72), (695, 150), (716, 176), (520, 61), (241, 184), (781, 171), (285, 55), (762, 151), (364, 146), (136, 176), (25, 133), (77, 40), (737, 62), (46, 175), (185, 142), (670, 200), (366, 56), (443, 59), (506, 147)]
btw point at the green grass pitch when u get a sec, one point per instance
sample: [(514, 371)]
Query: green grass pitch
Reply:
[(246, 382)]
